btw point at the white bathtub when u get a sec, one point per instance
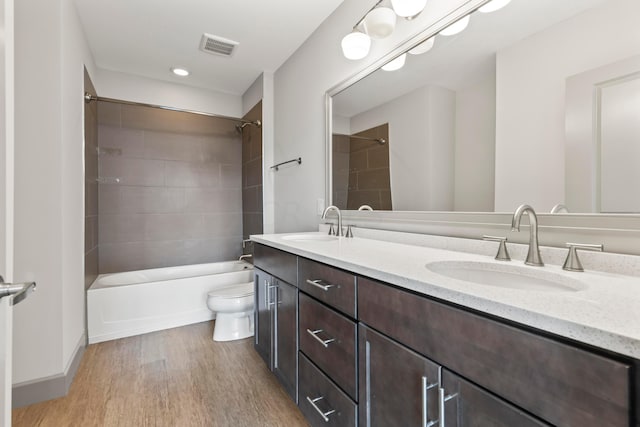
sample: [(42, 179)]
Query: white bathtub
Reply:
[(136, 302)]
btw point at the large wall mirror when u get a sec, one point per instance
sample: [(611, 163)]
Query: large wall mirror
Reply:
[(537, 102)]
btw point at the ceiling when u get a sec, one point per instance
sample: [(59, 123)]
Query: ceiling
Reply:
[(148, 37)]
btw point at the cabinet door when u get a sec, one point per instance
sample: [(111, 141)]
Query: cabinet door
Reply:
[(397, 386), (466, 405), (285, 361), (263, 331)]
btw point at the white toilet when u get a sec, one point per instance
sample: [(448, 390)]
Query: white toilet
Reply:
[(233, 305)]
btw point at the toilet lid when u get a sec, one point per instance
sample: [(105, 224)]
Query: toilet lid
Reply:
[(233, 291)]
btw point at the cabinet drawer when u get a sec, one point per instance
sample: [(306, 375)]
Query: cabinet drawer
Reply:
[(280, 264), (321, 402), (561, 384), (334, 287), (329, 339)]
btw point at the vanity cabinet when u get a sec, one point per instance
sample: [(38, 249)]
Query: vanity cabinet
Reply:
[(276, 322), (402, 387), (328, 344), (373, 354), (558, 383)]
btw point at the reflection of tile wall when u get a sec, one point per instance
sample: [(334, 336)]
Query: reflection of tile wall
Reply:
[(369, 182), (340, 169), (252, 175), (179, 197), (90, 186)]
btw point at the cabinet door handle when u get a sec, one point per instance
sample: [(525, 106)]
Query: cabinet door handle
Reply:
[(320, 284), (324, 415), (315, 333), (444, 399), (425, 402), (269, 302)]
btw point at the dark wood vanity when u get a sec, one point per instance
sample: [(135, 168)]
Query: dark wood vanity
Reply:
[(353, 351)]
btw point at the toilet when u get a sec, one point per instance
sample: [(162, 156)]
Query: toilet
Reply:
[(233, 306)]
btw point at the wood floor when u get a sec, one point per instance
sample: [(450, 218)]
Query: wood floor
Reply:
[(177, 377)]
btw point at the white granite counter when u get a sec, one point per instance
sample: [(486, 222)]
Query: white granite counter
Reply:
[(605, 314)]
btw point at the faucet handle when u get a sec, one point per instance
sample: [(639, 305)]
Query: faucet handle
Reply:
[(332, 231), (503, 254), (349, 233), (572, 263)]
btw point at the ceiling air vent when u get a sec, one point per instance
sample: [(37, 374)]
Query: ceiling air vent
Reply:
[(217, 45)]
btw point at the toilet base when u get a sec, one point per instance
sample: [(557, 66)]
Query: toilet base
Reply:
[(233, 326)]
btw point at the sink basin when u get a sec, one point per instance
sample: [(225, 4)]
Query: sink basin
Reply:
[(506, 276), (311, 237)]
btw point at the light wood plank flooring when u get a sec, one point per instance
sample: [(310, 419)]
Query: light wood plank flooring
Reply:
[(177, 377)]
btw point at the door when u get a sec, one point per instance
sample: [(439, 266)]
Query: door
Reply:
[(467, 405), (286, 328), (6, 185), (397, 385), (263, 315)]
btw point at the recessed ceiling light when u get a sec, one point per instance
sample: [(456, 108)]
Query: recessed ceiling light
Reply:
[(180, 72)]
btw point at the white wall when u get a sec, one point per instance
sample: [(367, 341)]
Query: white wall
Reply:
[(421, 141), (530, 122), (128, 87), (300, 85), (49, 203), (475, 147), (253, 95)]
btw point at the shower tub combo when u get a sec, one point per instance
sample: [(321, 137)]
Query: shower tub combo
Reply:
[(136, 302)]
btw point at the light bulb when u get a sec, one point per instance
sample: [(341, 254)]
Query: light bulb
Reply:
[(180, 71), (494, 5), (423, 47), (456, 27), (408, 8), (380, 22), (356, 45), (396, 64)]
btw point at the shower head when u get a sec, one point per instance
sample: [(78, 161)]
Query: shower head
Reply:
[(240, 127)]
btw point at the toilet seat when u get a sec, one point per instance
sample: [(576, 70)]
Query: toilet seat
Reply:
[(232, 291)]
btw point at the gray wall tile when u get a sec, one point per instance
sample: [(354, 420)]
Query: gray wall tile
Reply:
[(179, 199)]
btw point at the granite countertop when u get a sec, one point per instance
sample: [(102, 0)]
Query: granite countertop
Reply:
[(605, 313)]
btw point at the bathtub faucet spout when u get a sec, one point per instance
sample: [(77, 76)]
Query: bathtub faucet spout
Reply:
[(245, 256)]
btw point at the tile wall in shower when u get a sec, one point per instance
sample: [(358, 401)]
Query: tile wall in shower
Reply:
[(252, 175), (170, 189), (90, 186)]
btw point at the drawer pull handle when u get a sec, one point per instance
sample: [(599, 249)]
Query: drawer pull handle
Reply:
[(425, 402), (315, 333), (320, 284), (324, 415)]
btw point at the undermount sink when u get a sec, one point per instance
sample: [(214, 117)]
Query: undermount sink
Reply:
[(506, 276), (311, 237)]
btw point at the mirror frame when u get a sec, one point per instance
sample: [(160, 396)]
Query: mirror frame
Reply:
[(619, 233)]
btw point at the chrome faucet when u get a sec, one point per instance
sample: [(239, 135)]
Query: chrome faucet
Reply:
[(334, 208), (533, 256)]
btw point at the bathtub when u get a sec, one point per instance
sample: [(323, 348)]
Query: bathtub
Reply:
[(136, 302)]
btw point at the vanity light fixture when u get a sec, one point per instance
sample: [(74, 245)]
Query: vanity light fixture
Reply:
[(456, 27), (408, 9), (423, 47), (356, 45), (395, 64), (378, 22), (493, 5), (182, 72)]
